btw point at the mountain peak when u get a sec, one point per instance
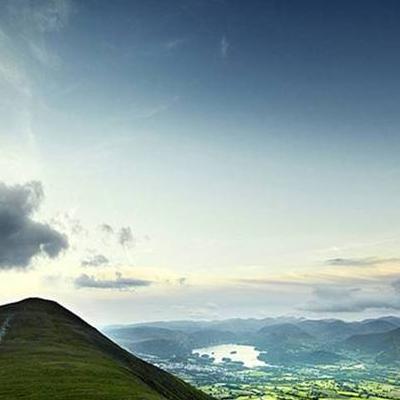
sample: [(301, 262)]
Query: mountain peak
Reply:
[(49, 350), (35, 302)]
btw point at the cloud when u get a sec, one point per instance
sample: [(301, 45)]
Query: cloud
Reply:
[(174, 44), (11, 71), (125, 237), (143, 111), (42, 15), (359, 305), (334, 292), (182, 281), (95, 261), (360, 262), (68, 223), (271, 282), (106, 228), (41, 54), (119, 283), (34, 20), (337, 299), (26, 53), (396, 286), (207, 310), (224, 47), (21, 237)]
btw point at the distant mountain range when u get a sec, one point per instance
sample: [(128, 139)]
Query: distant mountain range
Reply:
[(47, 352), (282, 340)]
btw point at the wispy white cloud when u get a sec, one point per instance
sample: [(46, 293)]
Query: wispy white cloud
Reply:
[(12, 72), (224, 47), (40, 52), (25, 27), (140, 112), (35, 21), (361, 262), (175, 43), (42, 15)]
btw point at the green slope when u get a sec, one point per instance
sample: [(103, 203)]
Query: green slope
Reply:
[(46, 352)]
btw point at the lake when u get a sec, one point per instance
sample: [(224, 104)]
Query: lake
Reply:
[(236, 352)]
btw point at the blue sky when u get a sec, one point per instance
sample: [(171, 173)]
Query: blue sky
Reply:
[(247, 148)]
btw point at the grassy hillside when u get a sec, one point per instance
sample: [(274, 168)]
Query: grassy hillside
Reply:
[(46, 352)]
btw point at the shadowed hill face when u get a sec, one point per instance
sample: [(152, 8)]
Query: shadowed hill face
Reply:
[(385, 346), (284, 332), (46, 352), (375, 326), (166, 342), (328, 330)]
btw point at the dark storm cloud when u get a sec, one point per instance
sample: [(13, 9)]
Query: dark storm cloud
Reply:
[(119, 283), (95, 261), (360, 262), (21, 237)]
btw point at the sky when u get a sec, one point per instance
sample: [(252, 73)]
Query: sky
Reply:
[(201, 159)]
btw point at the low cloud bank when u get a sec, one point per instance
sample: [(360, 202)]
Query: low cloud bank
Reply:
[(120, 283)]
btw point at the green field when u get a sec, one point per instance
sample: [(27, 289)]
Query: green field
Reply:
[(308, 389), (347, 380)]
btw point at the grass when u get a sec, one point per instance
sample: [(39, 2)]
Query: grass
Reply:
[(49, 353)]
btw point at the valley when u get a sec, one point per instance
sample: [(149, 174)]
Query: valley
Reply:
[(230, 381), (275, 359)]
